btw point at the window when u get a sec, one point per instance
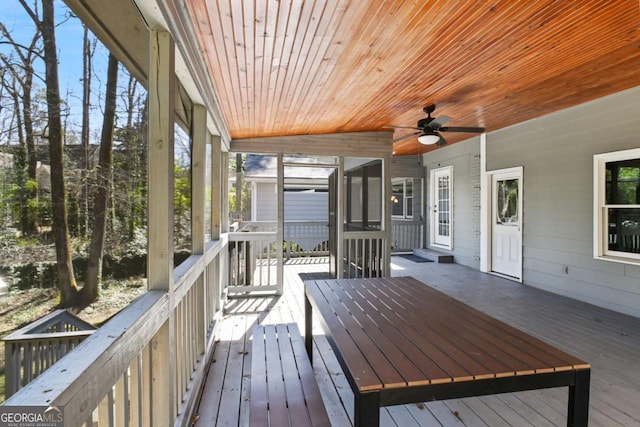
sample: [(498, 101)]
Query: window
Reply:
[(507, 199), (617, 206), (402, 198)]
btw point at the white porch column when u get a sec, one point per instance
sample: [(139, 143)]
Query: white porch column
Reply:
[(223, 260), (280, 232), (224, 184), (386, 213), (217, 185), (198, 178), (485, 206), (340, 218), (160, 239), (199, 133)]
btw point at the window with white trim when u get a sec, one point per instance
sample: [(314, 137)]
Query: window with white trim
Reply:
[(402, 198), (617, 206)]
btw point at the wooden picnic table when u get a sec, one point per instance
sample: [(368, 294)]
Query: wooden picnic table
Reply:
[(401, 341)]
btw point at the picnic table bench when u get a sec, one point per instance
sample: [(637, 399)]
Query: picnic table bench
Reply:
[(284, 391)]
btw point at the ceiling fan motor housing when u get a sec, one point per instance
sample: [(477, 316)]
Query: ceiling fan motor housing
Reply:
[(423, 123)]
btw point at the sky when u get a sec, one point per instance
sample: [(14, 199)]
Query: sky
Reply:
[(69, 42)]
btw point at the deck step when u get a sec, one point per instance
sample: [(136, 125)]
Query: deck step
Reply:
[(434, 256)]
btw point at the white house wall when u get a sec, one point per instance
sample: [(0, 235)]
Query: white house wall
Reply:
[(309, 206), (556, 153), (465, 159), (299, 205)]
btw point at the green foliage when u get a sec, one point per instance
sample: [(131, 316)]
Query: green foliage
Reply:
[(232, 201), (246, 200), (31, 185), (182, 193), (34, 275), (182, 204)]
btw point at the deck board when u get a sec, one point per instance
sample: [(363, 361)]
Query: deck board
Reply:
[(607, 340)]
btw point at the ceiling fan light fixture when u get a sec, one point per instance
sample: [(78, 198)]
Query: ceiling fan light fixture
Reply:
[(429, 138)]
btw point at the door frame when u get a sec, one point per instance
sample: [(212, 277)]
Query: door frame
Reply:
[(488, 206)]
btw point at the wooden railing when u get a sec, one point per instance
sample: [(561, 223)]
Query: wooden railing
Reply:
[(146, 365), (310, 238), (306, 238), (33, 349), (365, 254), (625, 242), (303, 238), (253, 260), (406, 235)]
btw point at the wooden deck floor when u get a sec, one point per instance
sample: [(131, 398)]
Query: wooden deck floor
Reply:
[(608, 340)]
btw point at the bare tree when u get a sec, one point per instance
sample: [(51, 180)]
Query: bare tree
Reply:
[(130, 172), (88, 50), (19, 199), (23, 73), (103, 185), (66, 280)]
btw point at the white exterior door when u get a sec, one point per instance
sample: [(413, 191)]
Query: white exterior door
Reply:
[(506, 223), (441, 217)]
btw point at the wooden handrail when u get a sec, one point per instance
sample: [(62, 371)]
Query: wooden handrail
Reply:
[(110, 373)]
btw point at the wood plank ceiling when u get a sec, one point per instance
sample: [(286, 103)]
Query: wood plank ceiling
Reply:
[(291, 67)]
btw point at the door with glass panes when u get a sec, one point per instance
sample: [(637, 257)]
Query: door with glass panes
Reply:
[(506, 225), (441, 217)]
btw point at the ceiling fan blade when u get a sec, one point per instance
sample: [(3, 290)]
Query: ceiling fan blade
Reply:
[(400, 127), (442, 141), (461, 129), (409, 135), (438, 122)]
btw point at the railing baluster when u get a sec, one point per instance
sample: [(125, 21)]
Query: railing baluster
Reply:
[(364, 254), (135, 404), (28, 364), (121, 401)]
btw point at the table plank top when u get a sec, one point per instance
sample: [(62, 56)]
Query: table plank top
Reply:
[(399, 332)]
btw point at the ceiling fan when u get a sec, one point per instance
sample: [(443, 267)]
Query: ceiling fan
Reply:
[(429, 128)]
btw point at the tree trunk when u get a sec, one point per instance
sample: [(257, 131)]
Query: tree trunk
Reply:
[(32, 194), (132, 154), (87, 70), (93, 275), (66, 279)]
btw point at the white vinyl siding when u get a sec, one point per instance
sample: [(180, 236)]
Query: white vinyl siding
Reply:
[(464, 158), (298, 205), (557, 152)]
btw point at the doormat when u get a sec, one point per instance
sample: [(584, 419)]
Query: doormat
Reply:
[(414, 258)]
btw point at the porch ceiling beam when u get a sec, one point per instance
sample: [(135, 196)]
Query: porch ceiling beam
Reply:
[(356, 144), (120, 27)]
